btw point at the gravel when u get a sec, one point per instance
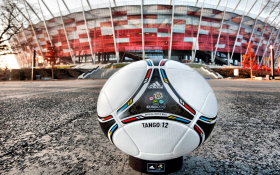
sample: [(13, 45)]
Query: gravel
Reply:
[(50, 127)]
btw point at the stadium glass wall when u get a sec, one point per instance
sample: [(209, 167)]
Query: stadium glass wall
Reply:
[(156, 25)]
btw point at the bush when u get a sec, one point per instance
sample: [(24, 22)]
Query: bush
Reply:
[(243, 73), (4, 74), (25, 74)]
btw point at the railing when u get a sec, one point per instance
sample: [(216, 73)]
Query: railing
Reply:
[(210, 71), (90, 72)]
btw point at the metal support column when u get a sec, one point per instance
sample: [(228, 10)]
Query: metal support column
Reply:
[(237, 6), (275, 19), (47, 8), (238, 30), (113, 28), (22, 13), (274, 7), (256, 19), (45, 23), (171, 33), (275, 53), (252, 7), (193, 55), (195, 2), (277, 47), (270, 11), (241, 59), (34, 32), (267, 44), (260, 40), (89, 5), (228, 56), (218, 4), (29, 48), (196, 41), (263, 8), (277, 23), (33, 10), (276, 38), (94, 58), (74, 61), (142, 22), (27, 43), (66, 6), (89, 39), (22, 48), (272, 61), (216, 47)]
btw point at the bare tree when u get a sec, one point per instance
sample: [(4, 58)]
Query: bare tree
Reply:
[(9, 14)]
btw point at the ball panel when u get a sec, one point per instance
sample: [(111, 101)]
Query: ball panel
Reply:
[(210, 107), (125, 143), (206, 127), (154, 157), (192, 88), (121, 88), (135, 65), (170, 64), (187, 144), (105, 126), (156, 136), (103, 107)]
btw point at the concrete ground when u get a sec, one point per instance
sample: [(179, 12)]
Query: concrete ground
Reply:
[(50, 127)]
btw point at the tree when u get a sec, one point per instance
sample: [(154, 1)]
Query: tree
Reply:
[(10, 26), (249, 58), (51, 55)]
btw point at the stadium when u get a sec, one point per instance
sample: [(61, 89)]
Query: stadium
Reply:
[(213, 32)]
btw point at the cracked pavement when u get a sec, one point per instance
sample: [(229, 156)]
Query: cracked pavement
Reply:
[(51, 127)]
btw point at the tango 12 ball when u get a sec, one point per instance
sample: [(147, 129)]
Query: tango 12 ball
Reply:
[(157, 109)]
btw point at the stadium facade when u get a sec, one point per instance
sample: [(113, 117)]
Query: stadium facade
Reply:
[(132, 30)]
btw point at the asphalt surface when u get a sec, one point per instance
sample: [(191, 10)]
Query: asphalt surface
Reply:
[(50, 127)]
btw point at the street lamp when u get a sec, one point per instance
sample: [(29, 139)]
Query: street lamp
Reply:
[(272, 61)]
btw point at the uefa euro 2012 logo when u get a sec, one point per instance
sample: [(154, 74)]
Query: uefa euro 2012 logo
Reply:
[(157, 98)]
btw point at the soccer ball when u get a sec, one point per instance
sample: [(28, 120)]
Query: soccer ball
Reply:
[(157, 109)]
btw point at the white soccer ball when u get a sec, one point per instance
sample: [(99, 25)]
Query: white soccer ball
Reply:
[(157, 109)]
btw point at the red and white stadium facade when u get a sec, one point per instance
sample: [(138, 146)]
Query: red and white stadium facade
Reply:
[(169, 29)]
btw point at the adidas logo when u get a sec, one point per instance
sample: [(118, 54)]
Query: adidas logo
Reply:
[(155, 85)]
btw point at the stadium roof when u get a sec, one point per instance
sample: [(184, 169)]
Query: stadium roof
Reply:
[(269, 8)]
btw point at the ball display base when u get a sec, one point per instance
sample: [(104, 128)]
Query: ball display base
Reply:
[(155, 167)]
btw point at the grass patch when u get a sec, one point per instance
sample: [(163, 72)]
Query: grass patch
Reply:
[(117, 66), (57, 67), (194, 66)]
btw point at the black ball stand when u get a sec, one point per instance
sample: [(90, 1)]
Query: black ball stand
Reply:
[(156, 167)]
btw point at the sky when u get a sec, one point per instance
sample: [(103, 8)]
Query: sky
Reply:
[(8, 60)]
